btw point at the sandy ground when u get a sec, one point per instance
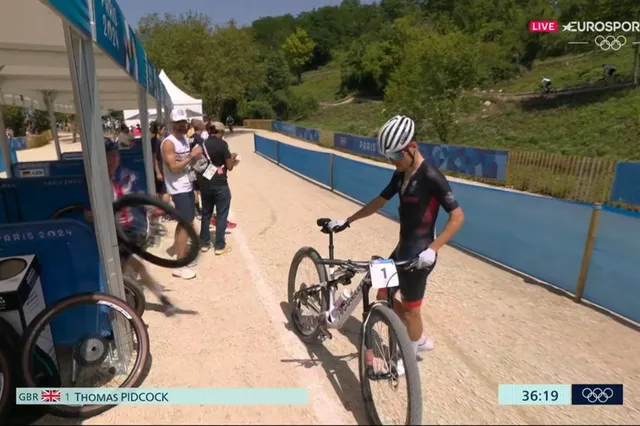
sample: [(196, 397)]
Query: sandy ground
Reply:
[(490, 327)]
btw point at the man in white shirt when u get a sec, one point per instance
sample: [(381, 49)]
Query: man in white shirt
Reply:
[(177, 157)]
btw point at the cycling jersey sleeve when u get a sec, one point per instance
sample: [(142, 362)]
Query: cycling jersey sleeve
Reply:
[(441, 189), (392, 188)]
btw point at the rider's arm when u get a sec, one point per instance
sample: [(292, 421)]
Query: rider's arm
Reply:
[(171, 160), (378, 202), (448, 201)]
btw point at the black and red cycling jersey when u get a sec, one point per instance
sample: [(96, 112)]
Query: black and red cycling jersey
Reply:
[(426, 191)]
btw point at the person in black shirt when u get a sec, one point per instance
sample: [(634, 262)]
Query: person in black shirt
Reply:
[(214, 188), (196, 139), (422, 190), (157, 136)]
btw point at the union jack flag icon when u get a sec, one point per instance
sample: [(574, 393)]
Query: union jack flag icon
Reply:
[(50, 396)]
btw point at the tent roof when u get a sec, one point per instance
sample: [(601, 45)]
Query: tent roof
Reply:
[(178, 97), (33, 59)]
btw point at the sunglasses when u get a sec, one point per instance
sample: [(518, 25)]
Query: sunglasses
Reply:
[(396, 155)]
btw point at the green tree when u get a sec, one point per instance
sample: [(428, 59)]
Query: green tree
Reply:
[(13, 119), (298, 50), (428, 83)]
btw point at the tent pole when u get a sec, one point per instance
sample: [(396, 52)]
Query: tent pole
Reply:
[(88, 117), (145, 140), (4, 144), (49, 98)]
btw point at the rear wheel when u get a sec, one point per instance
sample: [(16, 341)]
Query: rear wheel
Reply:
[(389, 374), (305, 272), (8, 366), (134, 295)]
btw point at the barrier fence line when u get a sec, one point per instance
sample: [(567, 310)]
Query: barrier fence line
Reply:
[(571, 177), (569, 245)]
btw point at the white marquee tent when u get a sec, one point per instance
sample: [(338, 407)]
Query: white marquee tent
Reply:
[(178, 98)]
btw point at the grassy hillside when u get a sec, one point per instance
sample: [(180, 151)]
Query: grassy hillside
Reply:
[(323, 83), (604, 123)]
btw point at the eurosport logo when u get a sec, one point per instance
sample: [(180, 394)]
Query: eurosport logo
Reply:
[(597, 395), (602, 27)]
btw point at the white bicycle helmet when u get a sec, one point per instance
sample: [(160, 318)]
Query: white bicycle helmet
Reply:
[(396, 134)]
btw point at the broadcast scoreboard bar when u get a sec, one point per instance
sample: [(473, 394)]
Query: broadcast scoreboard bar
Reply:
[(157, 396), (558, 394)]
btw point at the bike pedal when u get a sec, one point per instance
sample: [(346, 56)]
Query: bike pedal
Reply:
[(326, 334)]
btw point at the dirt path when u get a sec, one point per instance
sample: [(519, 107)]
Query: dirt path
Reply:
[(489, 326), (521, 96)]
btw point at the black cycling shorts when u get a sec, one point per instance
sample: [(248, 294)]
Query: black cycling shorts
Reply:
[(413, 284)]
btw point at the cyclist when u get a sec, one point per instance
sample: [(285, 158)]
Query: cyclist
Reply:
[(124, 181), (609, 71), (422, 190), (545, 84)]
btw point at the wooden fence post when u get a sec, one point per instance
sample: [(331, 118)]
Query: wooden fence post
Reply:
[(588, 250)]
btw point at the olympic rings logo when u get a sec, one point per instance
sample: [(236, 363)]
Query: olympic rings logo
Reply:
[(610, 42), (597, 395)]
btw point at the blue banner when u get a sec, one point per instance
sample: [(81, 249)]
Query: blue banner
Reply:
[(111, 30), (131, 52), (142, 64), (152, 78), (284, 128), (60, 242), (357, 144), (14, 159), (626, 185), (266, 147), (480, 162), (18, 143), (310, 135), (76, 12)]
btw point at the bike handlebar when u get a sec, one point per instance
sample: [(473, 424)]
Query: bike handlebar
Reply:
[(363, 264)]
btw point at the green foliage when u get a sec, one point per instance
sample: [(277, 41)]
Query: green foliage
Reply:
[(255, 109), (428, 83), (41, 121), (298, 51), (13, 119)]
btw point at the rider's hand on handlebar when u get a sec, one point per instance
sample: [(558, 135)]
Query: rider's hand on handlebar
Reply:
[(427, 258), (338, 225)]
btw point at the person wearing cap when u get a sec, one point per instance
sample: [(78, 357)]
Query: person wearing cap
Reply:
[(177, 158), (214, 187), (124, 181)]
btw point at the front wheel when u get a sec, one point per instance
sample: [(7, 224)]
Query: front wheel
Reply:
[(134, 295), (388, 368), (305, 301)]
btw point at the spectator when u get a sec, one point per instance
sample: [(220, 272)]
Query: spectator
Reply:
[(196, 139), (157, 135), (137, 131), (214, 187), (177, 159), (125, 138)]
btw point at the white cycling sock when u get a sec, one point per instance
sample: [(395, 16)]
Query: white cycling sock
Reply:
[(416, 343)]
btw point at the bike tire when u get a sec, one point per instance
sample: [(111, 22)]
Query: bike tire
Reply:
[(67, 209), (412, 373), (139, 199), (303, 253), (8, 366), (135, 297), (41, 320)]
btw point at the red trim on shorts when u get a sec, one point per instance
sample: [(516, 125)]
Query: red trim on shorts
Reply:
[(382, 293), (412, 305)]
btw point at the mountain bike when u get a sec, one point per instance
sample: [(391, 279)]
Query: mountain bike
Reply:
[(396, 361)]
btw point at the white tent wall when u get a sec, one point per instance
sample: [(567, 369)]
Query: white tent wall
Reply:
[(178, 98)]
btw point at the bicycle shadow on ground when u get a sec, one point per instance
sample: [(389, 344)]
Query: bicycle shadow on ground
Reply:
[(591, 94), (344, 381), (156, 307)]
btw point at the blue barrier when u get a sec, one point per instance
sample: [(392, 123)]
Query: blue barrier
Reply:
[(18, 144), (540, 236), (68, 256), (14, 159), (282, 127), (626, 185), (267, 147), (309, 135), (480, 162), (37, 199), (362, 182), (62, 168), (615, 264), (313, 164), (357, 144)]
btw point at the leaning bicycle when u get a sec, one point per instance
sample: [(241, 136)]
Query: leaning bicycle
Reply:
[(315, 310)]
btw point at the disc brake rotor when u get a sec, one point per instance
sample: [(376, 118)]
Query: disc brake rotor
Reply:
[(91, 351)]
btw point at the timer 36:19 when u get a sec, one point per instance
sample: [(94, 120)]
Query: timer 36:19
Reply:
[(542, 396)]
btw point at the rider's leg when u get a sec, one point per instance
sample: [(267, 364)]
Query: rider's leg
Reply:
[(147, 280), (412, 286)]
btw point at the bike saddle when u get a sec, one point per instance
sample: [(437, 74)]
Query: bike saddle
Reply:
[(376, 257), (323, 224)]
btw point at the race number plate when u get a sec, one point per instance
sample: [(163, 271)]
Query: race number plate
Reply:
[(383, 273)]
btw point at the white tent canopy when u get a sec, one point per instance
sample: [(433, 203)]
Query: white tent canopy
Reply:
[(178, 98), (33, 61)]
